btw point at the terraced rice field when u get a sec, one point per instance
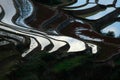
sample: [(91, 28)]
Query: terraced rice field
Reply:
[(77, 27)]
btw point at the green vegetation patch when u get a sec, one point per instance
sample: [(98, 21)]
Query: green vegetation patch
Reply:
[(68, 64)]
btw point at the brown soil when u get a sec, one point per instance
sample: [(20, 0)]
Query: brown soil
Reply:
[(55, 24), (41, 13)]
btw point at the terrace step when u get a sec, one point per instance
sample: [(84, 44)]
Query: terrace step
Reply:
[(57, 23), (1, 12), (82, 11), (58, 45), (52, 24), (41, 13), (24, 11), (21, 42), (30, 41), (49, 21)]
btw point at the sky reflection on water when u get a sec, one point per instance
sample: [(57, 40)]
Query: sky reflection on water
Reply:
[(78, 3), (115, 27), (101, 14), (105, 2), (84, 7), (118, 3)]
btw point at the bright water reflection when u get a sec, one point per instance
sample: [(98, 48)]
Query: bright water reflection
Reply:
[(78, 3), (84, 7), (118, 3), (37, 39), (101, 14), (75, 44), (33, 45), (9, 10), (94, 48), (118, 15), (26, 10), (92, 1), (115, 27), (105, 2)]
